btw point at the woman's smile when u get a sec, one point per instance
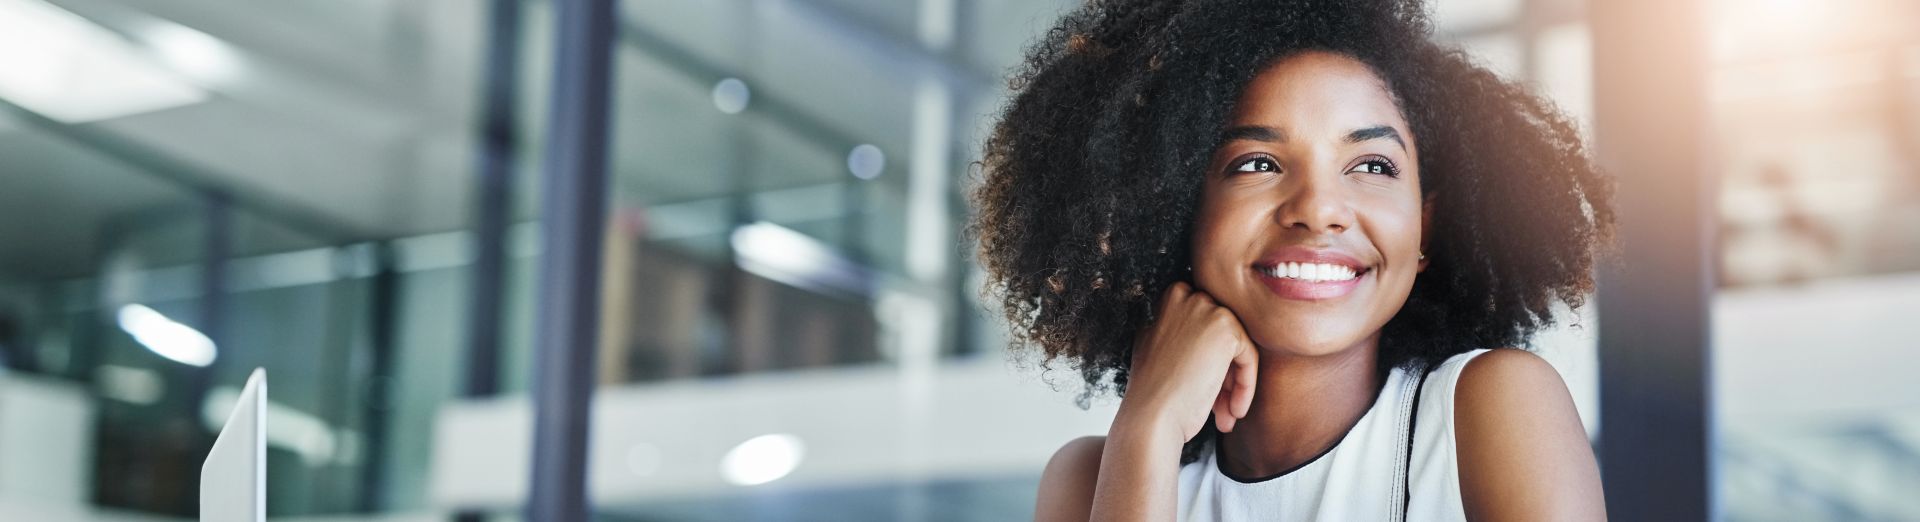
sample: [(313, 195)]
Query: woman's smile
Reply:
[(1310, 274)]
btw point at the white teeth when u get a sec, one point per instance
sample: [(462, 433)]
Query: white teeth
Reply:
[(1312, 272)]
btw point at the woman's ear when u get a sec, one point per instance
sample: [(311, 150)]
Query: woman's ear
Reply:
[(1426, 224)]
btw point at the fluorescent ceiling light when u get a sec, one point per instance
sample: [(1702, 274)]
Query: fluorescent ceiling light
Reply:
[(762, 459), (788, 256), (67, 68), (199, 55), (172, 340)]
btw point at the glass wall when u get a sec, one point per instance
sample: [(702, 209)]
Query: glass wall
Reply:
[(106, 303), (785, 235), (194, 189), (91, 240)]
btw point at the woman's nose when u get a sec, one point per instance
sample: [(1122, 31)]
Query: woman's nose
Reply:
[(1316, 203)]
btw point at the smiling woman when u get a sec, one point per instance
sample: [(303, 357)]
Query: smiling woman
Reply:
[(1288, 234)]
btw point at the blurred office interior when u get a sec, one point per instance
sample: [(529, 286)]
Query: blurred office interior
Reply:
[(349, 194)]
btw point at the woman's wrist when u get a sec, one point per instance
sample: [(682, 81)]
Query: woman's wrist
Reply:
[(1147, 427)]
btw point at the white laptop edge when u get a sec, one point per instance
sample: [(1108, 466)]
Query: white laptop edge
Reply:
[(233, 480)]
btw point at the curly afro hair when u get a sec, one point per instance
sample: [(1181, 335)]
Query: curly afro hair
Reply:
[(1092, 175)]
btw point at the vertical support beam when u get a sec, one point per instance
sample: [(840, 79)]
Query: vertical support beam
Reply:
[(218, 246), (382, 314), (341, 397), (1656, 426), (572, 219), (213, 275), (492, 204), (494, 197), (963, 297), (217, 207), (919, 322)]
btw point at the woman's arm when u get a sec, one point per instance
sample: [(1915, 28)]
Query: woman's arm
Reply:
[(1139, 472), (1523, 454), (1194, 360), (1130, 474)]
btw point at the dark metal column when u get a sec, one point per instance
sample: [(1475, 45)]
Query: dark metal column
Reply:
[(1656, 427), (383, 317), (493, 199), (493, 205), (217, 249), (572, 217)]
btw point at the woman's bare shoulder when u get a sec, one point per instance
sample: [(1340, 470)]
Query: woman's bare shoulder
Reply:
[(1523, 454)]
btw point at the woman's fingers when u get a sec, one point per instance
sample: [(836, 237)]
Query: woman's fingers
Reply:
[(1243, 374), (1223, 416), (1192, 344), (1175, 293)]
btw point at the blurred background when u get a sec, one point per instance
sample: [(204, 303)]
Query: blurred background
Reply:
[(347, 193)]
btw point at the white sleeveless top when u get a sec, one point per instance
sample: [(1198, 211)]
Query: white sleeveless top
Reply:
[(1367, 476)]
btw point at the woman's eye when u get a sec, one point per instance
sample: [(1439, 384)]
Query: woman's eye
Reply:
[(1376, 167), (1257, 165)]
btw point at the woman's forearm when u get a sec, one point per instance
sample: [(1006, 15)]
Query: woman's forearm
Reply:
[(1139, 471)]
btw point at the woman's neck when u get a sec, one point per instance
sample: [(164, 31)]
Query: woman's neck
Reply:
[(1301, 407)]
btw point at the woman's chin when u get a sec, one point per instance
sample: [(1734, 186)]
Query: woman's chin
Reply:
[(1306, 348)]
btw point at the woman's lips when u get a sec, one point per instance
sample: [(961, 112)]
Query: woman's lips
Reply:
[(1309, 273), (1310, 288)]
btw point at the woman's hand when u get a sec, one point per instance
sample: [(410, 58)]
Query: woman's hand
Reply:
[(1194, 359)]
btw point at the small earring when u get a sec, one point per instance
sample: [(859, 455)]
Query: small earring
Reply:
[(1423, 256)]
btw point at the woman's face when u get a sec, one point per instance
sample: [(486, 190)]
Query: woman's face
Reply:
[(1311, 218)]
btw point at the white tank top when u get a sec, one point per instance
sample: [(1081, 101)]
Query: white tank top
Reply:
[(1367, 476)]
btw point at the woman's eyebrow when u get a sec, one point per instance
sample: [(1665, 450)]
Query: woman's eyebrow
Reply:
[(1275, 135), (1253, 132), (1376, 132)]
